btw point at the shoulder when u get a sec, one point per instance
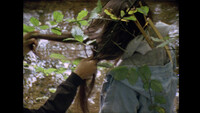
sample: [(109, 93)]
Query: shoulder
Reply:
[(163, 28)]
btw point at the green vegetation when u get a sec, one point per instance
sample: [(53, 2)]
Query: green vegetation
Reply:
[(120, 72), (149, 85)]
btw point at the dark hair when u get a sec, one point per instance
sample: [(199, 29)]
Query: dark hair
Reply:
[(112, 39), (115, 31)]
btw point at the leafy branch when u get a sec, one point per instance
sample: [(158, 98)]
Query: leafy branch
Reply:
[(58, 17), (77, 35), (132, 75)]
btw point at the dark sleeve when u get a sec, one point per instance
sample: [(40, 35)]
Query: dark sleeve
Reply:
[(60, 101)]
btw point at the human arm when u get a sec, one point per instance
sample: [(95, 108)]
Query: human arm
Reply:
[(60, 101), (29, 43)]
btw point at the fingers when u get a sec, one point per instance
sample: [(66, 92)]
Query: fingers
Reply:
[(28, 40), (91, 59), (31, 41), (86, 68)]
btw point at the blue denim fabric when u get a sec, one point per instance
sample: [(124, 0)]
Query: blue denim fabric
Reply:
[(122, 97)]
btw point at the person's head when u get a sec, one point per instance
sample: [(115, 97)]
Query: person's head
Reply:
[(111, 37), (113, 34)]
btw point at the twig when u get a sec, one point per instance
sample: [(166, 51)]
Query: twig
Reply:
[(159, 36), (127, 30), (109, 39), (58, 38), (150, 92), (143, 32), (119, 46), (143, 14), (85, 51), (53, 37)]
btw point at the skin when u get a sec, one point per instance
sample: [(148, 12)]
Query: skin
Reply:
[(29, 43), (85, 69)]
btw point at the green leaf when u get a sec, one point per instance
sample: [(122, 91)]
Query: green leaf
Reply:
[(132, 11), (99, 6), (93, 15), (152, 107), (41, 98), (52, 90), (159, 99), (83, 22), (78, 38), (166, 42), (120, 72), (146, 86), (95, 12), (25, 64), (82, 14), (43, 27), (53, 23), (157, 39), (91, 42), (143, 9), (34, 21), (166, 38), (132, 76), (58, 16), (157, 108), (56, 30), (156, 86), (65, 76), (49, 71), (77, 33), (112, 16), (65, 61), (68, 39), (28, 28), (106, 65), (39, 69), (145, 73), (76, 61), (122, 13), (130, 18), (108, 12), (57, 56), (160, 109), (60, 70)]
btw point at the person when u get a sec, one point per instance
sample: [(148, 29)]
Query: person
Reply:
[(60, 101), (124, 42)]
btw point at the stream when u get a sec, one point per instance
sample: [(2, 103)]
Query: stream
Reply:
[(38, 86)]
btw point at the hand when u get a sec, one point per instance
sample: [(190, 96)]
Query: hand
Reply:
[(86, 68), (29, 43)]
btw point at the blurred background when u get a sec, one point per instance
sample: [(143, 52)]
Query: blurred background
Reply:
[(39, 82)]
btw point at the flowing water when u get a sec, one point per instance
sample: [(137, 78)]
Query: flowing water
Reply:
[(37, 84)]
